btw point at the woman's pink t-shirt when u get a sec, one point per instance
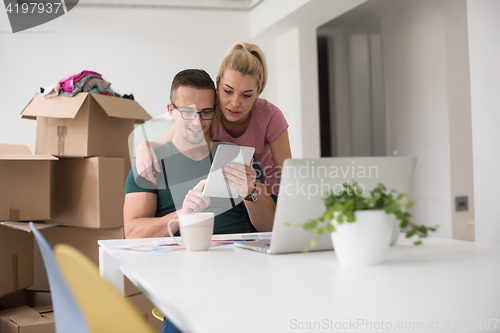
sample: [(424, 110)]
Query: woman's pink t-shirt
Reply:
[(267, 123)]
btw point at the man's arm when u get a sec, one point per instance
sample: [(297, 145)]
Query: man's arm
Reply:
[(139, 213)]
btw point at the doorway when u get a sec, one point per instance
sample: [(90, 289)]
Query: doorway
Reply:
[(351, 87)]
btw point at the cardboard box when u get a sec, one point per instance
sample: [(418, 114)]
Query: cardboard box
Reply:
[(27, 320), (84, 240), (24, 184), (84, 125), (14, 299), (16, 260), (16, 256), (145, 306), (88, 192), (38, 298)]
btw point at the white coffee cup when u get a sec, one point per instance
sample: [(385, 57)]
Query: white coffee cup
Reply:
[(196, 230)]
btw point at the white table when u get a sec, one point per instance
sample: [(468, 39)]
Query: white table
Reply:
[(442, 286)]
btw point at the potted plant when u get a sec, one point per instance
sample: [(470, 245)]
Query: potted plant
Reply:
[(365, 242)]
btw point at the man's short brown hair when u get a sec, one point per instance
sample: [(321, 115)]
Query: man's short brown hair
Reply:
[(193, 78)]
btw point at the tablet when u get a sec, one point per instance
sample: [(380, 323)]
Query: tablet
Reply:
[(216, 186)]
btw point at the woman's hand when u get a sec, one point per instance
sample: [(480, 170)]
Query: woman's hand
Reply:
[(145, 160), (241, 177)]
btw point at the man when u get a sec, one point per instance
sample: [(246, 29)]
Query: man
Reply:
[(186, 162)]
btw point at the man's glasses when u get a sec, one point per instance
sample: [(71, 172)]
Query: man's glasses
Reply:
[(188, 113)]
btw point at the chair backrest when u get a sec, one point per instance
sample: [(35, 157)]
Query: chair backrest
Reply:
[(67, 313), (105, 309)]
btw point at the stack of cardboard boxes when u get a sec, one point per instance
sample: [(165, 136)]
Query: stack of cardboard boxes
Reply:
[(80, 191)]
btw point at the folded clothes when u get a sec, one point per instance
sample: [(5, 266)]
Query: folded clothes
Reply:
[(78, 86), (68, 84)]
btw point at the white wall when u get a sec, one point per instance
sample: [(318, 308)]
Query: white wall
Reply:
[(268, 12), (484, 37), (428, 104), (417, 105), (288, 86), (138, 50), (459, 101)]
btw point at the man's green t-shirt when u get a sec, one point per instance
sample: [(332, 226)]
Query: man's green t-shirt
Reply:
[(179, 175)]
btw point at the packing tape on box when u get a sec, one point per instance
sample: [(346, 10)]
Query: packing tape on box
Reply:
[(61, 134), (15, 272)]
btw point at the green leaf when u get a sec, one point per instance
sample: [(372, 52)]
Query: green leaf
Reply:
[(330, 228), (434, 228), (349, 204), (328, 215), (312, 244), (320, 231), (410, 204), (410, 233), (337, 207), (422, 228), (287, 224), (340, 219), (419, 242)]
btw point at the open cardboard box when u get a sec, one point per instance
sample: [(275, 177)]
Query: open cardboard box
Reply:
[(88, 192), (84, 125), (27, 320), (24, 184)]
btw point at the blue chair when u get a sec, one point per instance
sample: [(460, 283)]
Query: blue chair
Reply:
[(67, 313)]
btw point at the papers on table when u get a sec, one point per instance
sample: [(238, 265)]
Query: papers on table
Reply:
[(168, 244)]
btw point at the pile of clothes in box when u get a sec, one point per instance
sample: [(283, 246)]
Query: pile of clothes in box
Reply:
[(86, 81)]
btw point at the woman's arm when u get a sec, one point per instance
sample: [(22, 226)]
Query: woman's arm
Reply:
[(146, 157), (280, 149), (243, 178)]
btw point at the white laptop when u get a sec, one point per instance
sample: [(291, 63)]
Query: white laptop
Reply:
[(304, 182)]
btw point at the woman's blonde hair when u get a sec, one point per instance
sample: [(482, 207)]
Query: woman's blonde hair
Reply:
[(246, 59)]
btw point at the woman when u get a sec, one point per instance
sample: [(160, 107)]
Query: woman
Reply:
[(241, 118)]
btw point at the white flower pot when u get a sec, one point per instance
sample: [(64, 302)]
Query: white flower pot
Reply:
[(396, 229), (364, 241)]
